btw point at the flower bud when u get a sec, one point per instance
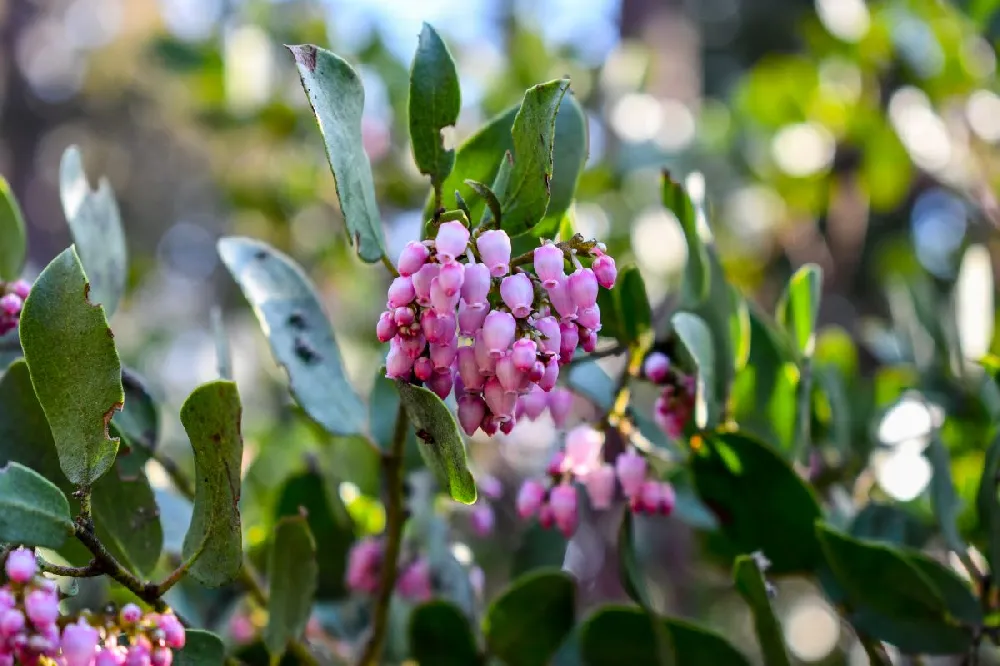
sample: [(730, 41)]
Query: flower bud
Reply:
[(499, 400), (548, 260), (451, 240), (79, 643), (537, 372), (588, 341), (534, 402), (490, 486), (404, 318), (412, 258), (173, 630), (137, 655), (561, 300), (490, 425), (482, 519), (605, 271), (11, 622), (518, 293), (468, 369), (451, 278), (110, 656), (631, 470), (440, 299), (569, 339), (385, 329), (494, 248), (401, 292), (397, 362), (423, 368), (551, 337), (413, 346), (560, 405), (441, 383), (130, 614), (498, 332), (414, 582), (443, 354), (582, 285), (10, 304), (523, 354), (548, 380), (20, 288), (471, 317), (546, 518), (530, 498), (471, 410), (161, 656), (41, 607), (21, 566), (600, 485), (487, 363), (590, 317), (656, 366), (583, 446), (422, 283), (562, 499), (476, 286), (364, 564)]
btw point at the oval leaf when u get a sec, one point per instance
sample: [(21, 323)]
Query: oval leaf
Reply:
[(337, 98), (292, 574), (13, 239), (798, 308), (988, 506), (752, 587), (201, 648), (697, 272), (96, 227), (528, 622), (127, 519), (697, 340), (298, 331), (440, 442), (569, 155), (32, 510), (211, 417), (74, 368), (440, 635), (435, 100)]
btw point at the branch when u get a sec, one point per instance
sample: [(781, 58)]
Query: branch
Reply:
[(600, 353), (90, 570), (392, 465), (105, 563)]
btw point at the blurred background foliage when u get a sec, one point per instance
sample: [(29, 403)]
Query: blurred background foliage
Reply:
[(859, 136)]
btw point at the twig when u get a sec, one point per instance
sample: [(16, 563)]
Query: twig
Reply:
[(90, 570), (392, 469), (105, 563), (600, 353)]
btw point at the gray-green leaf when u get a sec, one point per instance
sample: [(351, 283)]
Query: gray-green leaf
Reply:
[(435, 100), (337, 98), (298, 331), (13, 239), (529, 621), (74, 368), (32, 510), (211, 417), (96, 227), (292, 573), (201, 648)]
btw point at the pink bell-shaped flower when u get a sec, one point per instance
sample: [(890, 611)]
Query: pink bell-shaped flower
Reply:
[(468, 369), (471, 410), (548, 380), (563, 501), (561, 300), (631, 470), (471, 317), (583, 447), (550, 334), (441, 383), (523, 354), (451, 240), (476, 286), (401, 292), (560, 405), (385, 329), (423, 368), (656, 366), (494, 248), (412, 258), (582, 286), (422, 283), (605, 270), (518, 294), (600, 485), (530, 498), (498, 332), (451, 278), (548, 260), (534, 402)]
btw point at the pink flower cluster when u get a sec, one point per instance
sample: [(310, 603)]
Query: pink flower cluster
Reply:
[(12, 297), (674, 407), (364, 571), (30, 621), (461, 316), (555, 501)]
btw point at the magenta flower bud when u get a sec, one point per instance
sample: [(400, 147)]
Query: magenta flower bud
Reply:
[(647, 500), (530, 498), (490, 486), (471, 410), (545, 516), (451, 278), (506, 427), (631, 470), (441, 383), (471, 317), (11, 622), (498, 332), (487, 363), (582, 285), (589, 341), (413, 346), (468, 369), (560, 404), (518, 293), (482, 519), (137, 655), (162, 656), (562, 499), (429, 321), (110, 656), (548, 380), (130, 614), (412, 258), (173, 630), (548, 260), (494, 248), (10, 304), (537, 372), (440, 299), (667, 498), (21, 566), (41, 607), (524, 353), (583, 447), (555, 466), (490, 425), (569, 339), (422, 283), (534, 402), (656, 367), (590, 317), (79, 643), (386, 327), (398, 363), (7, 598), (451, 240), (423, 368), (551, 334), (494, 394), (561, 300), (605, 271), (364, 564), (600, 485), (401, 292), (414, 582), (476, 287), (404, 318), (443, 355), (20, 288), (509, 376)]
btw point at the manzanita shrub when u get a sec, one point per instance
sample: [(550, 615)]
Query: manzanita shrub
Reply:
[(498, 314)]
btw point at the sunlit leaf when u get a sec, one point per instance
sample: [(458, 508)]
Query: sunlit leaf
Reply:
[(435, 100), (798, 308), (13, 238)]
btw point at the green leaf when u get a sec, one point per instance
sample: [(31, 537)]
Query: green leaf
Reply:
[(484, 191), (127, 519), (697, 272), (33, 511), (569, 156), (13, 238), (944, 498), (617, 635), (211, 416), (629, 568), (439, 440), (956, 593), (138, 422), (298, 331), (201, 648), (435, 100), (539, 548), (292, 575), (74, 368), (752, 587), (337, 98), (889, 523), (440, 635), (988, 506), (529, 621), (522, 185), (329, 523), (798, 308), (697, 340), (383, 400), (96, 227), (625, 311), (759, 501)]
